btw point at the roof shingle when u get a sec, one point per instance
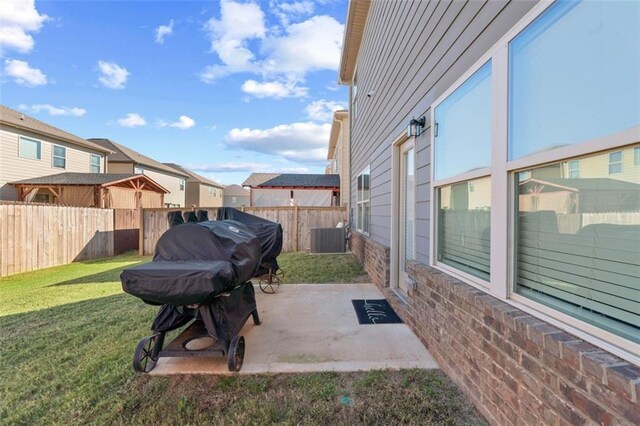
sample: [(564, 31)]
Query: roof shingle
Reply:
[(122, 154), (292, 180), (19, 120)]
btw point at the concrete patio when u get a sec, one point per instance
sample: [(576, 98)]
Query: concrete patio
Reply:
[(312, 328)]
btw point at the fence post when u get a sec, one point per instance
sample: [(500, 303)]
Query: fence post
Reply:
[(141, 234), (295, 228)]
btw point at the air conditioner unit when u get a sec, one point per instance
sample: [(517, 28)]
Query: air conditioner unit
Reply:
[(328, 240)]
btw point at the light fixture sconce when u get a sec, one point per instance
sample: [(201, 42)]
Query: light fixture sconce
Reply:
[(415, 126)]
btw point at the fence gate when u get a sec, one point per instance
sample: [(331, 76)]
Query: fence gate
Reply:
[(126, 226)]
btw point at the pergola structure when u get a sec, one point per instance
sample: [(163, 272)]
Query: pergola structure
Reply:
[(104, 190)]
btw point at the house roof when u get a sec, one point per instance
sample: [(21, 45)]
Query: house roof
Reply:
[(122, 154), (353, 31), (86, 179), (13, 118), (273, 180), (194, 177), (236, 191), (336, 126), (256, 179)]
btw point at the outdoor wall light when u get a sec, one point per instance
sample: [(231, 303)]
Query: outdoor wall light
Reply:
[(415, 126)]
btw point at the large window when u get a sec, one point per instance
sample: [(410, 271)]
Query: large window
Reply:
[(578, 244), (59, 156), (29, 148), (464, 226), (577, 61), (462, 145), (363, 202), (463, 127), (95, 163), (536, 177)]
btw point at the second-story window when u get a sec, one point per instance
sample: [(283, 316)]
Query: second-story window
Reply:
[(95, 163), (29, 148), (182, 184), (59, 156)]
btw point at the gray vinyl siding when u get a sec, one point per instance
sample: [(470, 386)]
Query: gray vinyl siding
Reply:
[(411, 52)]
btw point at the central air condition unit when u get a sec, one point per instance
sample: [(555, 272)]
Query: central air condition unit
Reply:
[(328, 240)]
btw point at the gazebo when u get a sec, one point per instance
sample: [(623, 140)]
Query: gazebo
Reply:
[(103, 190)]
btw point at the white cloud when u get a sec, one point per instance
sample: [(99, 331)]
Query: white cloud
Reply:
[(322, 110), (291, 11), (163, 31), (112, 75), (300, 142), (274, 89), (53, 110), (232, 167), (311, 45), (238, 23), (23, 73), (282, 54), (17, 20), (183, 123), (132, 120)]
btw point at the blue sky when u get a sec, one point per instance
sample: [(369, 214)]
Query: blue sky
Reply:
[(225, 88)]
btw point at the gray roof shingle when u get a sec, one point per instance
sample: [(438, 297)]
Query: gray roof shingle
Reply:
[(194, 177), (264, 180), (122, 154), (19, 120), (69, 178), (89, 179)]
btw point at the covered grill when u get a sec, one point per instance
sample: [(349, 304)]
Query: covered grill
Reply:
[(200, 271), (270, 235)]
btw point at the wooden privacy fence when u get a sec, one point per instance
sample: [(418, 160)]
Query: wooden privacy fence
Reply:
[(40, 236), (296, 224)]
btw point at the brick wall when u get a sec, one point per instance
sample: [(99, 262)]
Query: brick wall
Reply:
[(373, 256), (515, 368)]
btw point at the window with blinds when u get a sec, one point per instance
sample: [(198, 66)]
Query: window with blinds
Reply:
[(577, 242), (463, 226)]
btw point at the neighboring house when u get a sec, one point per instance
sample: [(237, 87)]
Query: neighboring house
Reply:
[(200, 191), (338, 154), (30, 148), (104, 190), (452, 106), (276, 189), (126, 160), (236, 196)]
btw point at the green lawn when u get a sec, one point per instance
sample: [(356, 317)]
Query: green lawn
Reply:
[(66, 344)]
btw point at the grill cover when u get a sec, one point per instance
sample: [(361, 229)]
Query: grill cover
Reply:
[(269, 233), (195, 262)]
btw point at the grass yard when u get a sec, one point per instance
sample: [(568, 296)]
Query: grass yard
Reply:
[(67, 341)]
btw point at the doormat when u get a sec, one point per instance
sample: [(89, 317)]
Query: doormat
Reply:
[(375, 311)]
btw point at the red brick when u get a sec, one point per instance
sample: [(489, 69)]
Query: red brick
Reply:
[(585, 404), (623, 380), (537, 333), (571, 352), (593, 364), (553, 341)]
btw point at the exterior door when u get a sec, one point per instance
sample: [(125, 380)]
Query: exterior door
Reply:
[(407, 216)]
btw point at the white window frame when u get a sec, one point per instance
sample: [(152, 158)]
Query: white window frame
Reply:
[(138, 170), (636, 156), (183, 183), (576, 170), (54, 156), (502, 174), (621, 162), (359, 203), (91, 165), (39, 142)]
